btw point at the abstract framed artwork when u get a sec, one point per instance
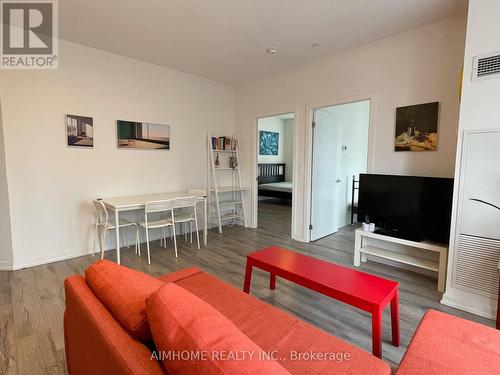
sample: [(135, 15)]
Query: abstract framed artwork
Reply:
[(142, 135), (80, 131), (268, 143), (417, 127)]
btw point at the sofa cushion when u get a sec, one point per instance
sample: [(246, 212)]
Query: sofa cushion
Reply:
[(446, 345), (183, 323), (301, 347), (123, 291)]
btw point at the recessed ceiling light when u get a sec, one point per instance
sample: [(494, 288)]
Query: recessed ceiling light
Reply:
[(272, 51), (315, 45)]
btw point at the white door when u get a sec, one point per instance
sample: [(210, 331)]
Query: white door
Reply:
[(325, 175)]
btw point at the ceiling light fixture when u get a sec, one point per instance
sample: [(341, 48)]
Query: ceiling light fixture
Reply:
[(272, 51)]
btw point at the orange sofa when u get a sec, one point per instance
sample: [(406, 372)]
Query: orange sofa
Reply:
[(96, 343)]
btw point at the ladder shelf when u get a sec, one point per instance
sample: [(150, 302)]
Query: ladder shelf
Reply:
[(226, 194)]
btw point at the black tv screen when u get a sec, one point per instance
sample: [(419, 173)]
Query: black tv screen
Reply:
[(410, 207)]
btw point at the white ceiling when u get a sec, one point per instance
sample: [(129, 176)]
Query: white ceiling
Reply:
[(226, 40)]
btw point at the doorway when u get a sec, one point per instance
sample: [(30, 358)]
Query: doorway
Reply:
[(275, 158), (339, 155)]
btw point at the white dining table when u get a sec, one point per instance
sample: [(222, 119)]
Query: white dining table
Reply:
[(138, 202)]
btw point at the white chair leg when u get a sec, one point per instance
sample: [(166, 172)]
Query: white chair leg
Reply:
[(137, 241), (161, 237), (122, 238), (104, 231), (136, 247), (126, 236), (197, 234), (147, 245), (185, 232), (135, 244), (164, 229), (96, 237), (175, 240), (191, 231)]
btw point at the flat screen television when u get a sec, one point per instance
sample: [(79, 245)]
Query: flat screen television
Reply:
[(409, 207)]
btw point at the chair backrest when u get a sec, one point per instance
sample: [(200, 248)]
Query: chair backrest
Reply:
[(184, 202), (159, 206), (101, 212)]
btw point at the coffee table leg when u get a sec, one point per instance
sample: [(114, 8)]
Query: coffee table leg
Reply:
[(248, 277), (272, 281), (377, 332), (395, 318)]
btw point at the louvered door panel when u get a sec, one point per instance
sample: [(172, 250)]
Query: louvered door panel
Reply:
[(476, 267)]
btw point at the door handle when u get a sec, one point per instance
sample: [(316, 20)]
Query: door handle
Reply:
[(338, 181)]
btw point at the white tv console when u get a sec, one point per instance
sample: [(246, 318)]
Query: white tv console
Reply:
[(363, 247)]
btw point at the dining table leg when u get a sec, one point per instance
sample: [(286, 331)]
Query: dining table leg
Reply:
[(117, 230)]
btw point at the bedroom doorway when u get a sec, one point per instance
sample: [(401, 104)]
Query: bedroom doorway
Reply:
[(339, 155), (275, 147)]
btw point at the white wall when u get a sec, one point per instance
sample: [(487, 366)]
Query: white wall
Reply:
[(479, 110), (5, 235), (51, 186), (418, 66)]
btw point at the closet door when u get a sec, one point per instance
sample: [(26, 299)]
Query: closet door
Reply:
[(478, 235)]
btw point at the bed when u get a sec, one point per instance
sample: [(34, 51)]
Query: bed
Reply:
[(271, 181)]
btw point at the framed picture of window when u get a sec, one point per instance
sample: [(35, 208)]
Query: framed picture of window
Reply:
[(142, 135)]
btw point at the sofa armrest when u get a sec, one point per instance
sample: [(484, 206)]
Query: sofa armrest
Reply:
[(95, 342)]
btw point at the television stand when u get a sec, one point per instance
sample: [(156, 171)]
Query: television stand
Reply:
[(363, 248), (391, 233)]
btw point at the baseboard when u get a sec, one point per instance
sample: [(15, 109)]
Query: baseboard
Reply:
[(49, 258), (5, 265), (60, 256), (470, 302)]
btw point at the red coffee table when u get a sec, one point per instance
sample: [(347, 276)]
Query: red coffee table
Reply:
[(364, 291)]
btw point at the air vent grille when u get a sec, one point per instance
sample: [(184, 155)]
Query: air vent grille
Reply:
[(486, 66), (477, 260)]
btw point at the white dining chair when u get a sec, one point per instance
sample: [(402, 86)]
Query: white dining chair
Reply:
[(185, 212), (159, 215), (103, 224)]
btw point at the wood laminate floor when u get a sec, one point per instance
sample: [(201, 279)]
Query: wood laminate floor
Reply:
[(32, 300)]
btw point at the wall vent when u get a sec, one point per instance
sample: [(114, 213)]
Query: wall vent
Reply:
[(486, 67), (477, 260)]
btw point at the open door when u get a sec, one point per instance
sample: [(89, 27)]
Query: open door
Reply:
[(325, 175), (340, 151)]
